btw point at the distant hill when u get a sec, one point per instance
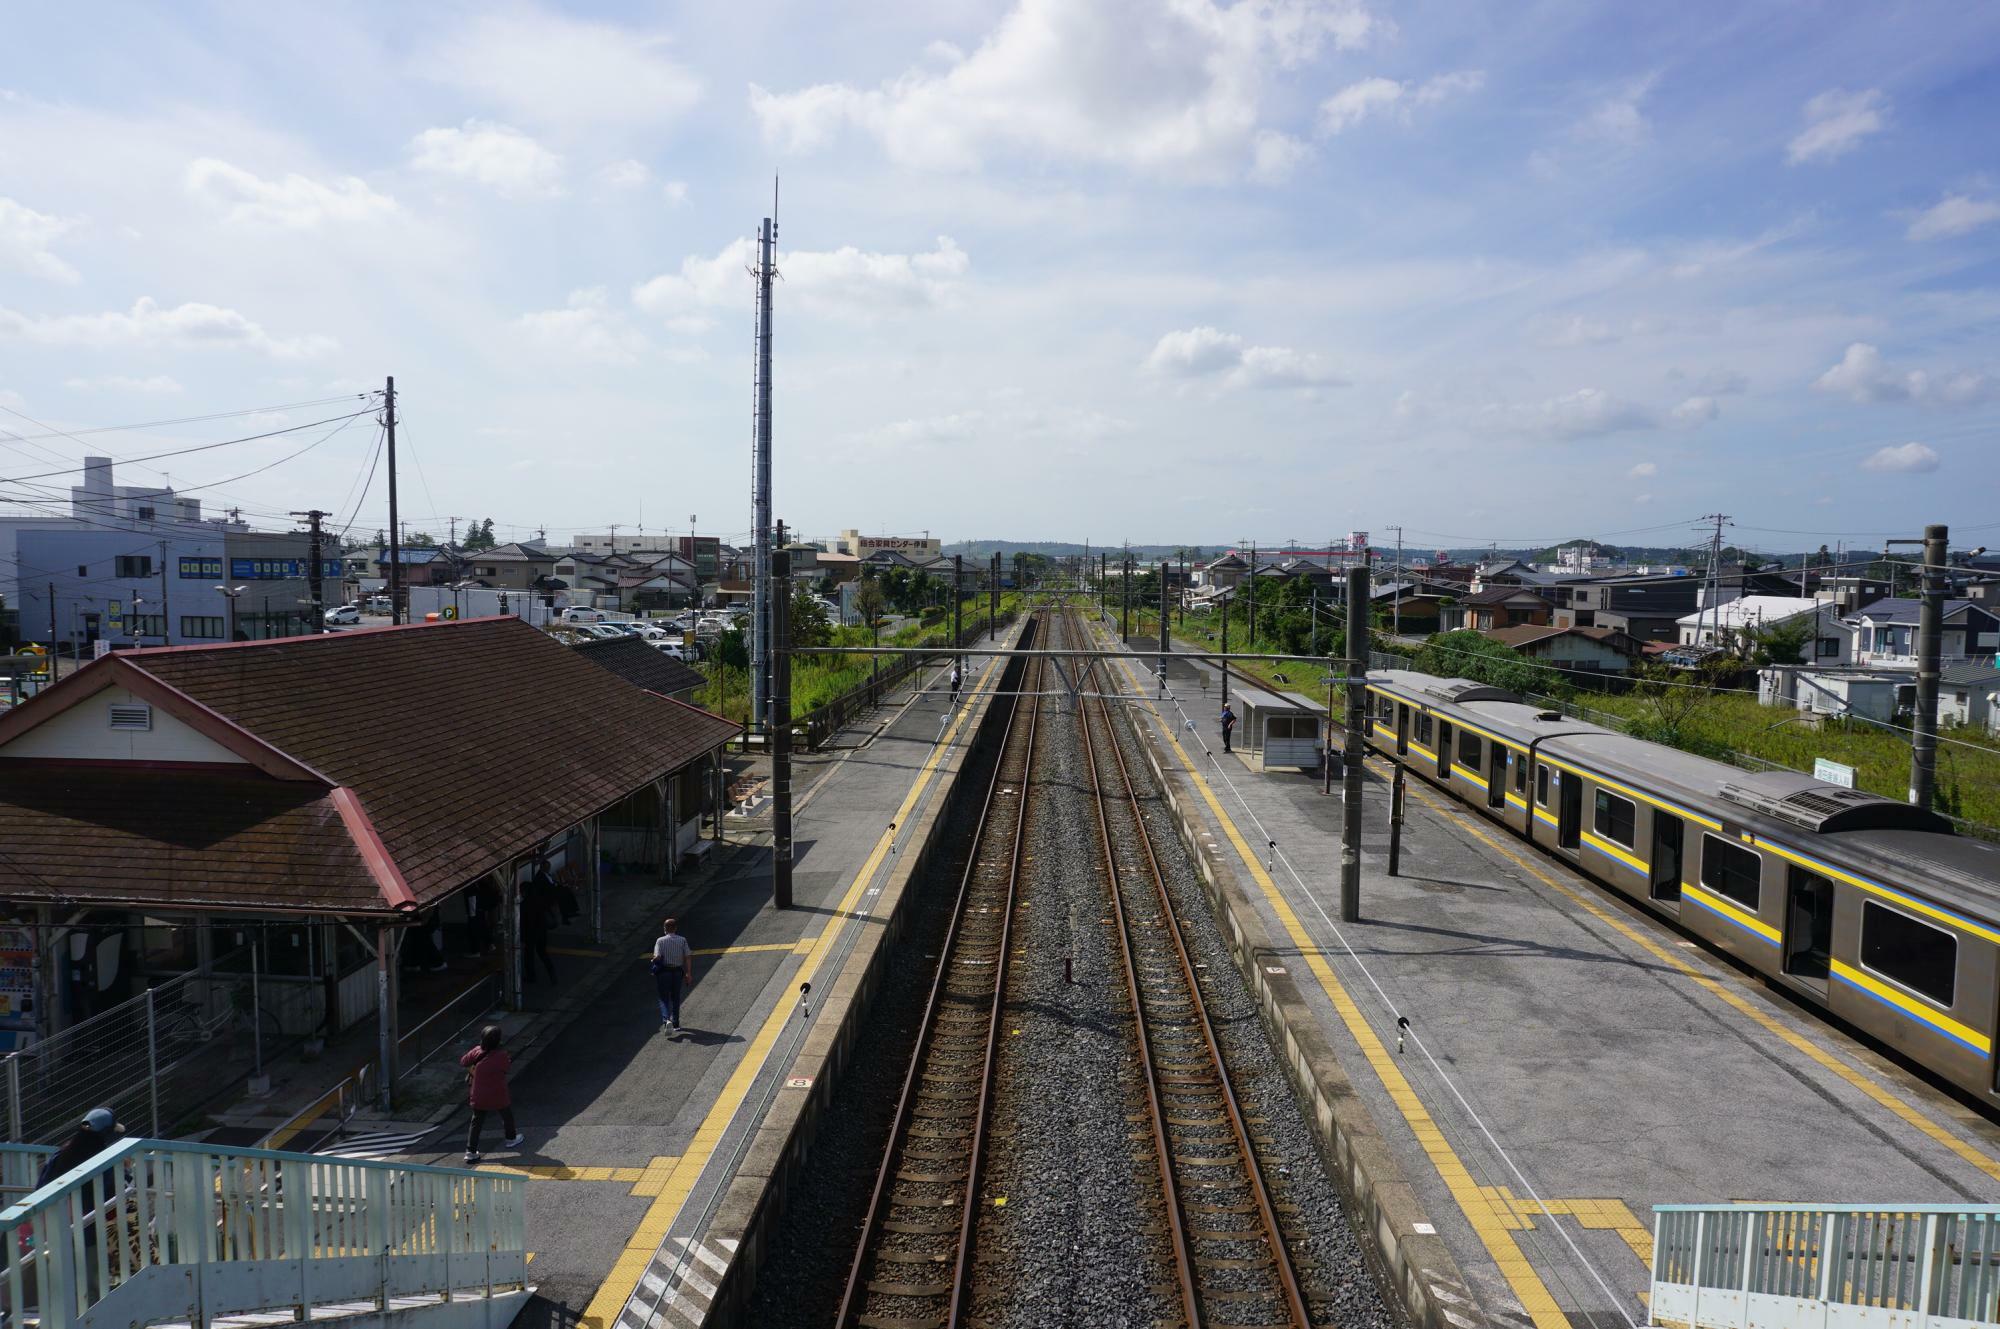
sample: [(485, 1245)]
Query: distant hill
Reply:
[(1065, 549)]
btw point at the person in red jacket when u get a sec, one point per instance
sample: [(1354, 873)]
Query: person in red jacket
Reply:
[(489, 1065)]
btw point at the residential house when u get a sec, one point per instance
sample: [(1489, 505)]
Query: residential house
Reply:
[(428, 565), (1733, 626), (1870, 694), (1648, 608), (661, 581), (1969, 694), (1885, 632), (1575, 650), (1222, 573), (521, 566), (1503, 605)]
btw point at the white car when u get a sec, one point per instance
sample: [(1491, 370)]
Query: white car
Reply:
[(599, 632), (343, 616), (671, 649), (579, 614)]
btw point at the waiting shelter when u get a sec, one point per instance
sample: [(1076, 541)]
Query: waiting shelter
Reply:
[(1278, 731)]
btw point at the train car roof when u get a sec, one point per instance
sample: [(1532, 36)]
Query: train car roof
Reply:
[(1443, 691), (1957, 870)]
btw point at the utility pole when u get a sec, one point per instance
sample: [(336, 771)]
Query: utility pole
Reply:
[(1356, 748), (958, 609), (451, 531), (1163, 628), (1103, 582), (1225, 648), (1930, 647), (1125, 606), (1396, 605), (313, 577), (760, 484), (1180, 615), (165, 640), (1250, 636), (779, 727), (395, 531), (52, 632), (1714, 584), (993, 596)]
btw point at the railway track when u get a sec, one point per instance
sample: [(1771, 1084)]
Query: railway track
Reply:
[(1231, 1263), (912, 1266)]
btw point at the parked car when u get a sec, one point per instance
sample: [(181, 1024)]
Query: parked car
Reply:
[(599, 632), (671, 649), (343, 616), (376, 604), (579, 614)]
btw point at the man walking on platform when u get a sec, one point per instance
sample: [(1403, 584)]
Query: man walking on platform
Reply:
[(1228, 725), (672, 963)]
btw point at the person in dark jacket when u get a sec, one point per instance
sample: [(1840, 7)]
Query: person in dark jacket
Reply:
[(99, 1131), (1228, 725), (489, 1064), (538, 907)]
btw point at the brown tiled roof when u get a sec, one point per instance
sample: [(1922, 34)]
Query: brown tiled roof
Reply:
[(1494, 595), (641, 665), (190, 838), (459, 744), (1527, 634)]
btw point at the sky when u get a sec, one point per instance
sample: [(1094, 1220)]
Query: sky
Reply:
[(1181, 271)]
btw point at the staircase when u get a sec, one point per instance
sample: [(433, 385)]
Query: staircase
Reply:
[(157, 1232)]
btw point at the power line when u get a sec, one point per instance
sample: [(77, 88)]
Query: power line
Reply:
[(204, 447)]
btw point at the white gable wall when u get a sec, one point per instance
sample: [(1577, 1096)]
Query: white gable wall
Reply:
[(84, 733)]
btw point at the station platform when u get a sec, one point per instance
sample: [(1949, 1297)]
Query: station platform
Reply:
[(1570, 1061), (632, 1134)]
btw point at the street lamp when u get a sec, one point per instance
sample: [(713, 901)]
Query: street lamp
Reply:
[(230, 593)]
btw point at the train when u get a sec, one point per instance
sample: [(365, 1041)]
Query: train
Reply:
[(1868, 908)]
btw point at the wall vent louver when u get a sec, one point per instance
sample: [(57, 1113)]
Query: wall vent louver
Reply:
[(131, 716)]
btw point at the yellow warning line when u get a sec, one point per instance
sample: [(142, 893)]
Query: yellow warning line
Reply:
[(1715, 987), (749, 949), (1492, 1222), (677, 1181), (564, 1172)]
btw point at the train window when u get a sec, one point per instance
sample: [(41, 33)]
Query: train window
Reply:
[(1520, 772), (1387, 709), (1731, 870), (1909, 953), (1542, 785), (1616, 819), (1423, 728), (1468, 750)]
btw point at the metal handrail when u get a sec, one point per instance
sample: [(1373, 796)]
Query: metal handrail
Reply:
[(152, 1230)]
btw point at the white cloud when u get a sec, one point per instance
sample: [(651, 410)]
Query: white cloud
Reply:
[(1618, 119), (569, 74), (1274, 156), (1835, 122), (1903, 459), (1954, 215), (676, 191), (1864, 376), (1587, 413), (157, 384), (295, 201), (190, 326), (1208, 353), (1373, 97), (497, 156), (1695, 412), (846, 282), (627, 174), (1065, 81), (587, 327), (1356, 102), (1643, 471), (25, 237)]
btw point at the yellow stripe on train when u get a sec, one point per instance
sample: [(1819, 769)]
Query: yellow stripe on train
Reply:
[(1709, 900), (1909, 1006), (1610, 850)]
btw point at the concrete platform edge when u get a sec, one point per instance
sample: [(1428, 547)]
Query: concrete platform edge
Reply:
[(754, 1202), (1383, 1207)]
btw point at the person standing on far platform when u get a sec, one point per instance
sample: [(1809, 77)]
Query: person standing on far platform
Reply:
[(1228, 725), (955, 679), (672, 963)]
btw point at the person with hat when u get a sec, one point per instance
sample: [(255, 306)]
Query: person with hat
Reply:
[(100, 1130)]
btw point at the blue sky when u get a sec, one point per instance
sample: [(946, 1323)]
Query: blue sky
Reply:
[(1161, 272)]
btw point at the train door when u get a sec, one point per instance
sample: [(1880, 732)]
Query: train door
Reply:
[(1496, 777), (1569, 816), (1667, 832), (1403, 729), (1808, 925), (1444, 750)]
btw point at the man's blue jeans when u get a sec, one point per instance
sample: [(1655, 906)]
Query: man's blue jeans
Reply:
[(669, 986)]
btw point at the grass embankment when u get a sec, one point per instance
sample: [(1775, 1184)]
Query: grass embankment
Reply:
[(1727, 722), (818, 679)]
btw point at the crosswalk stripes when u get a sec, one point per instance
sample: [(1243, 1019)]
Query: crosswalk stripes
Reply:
[(375, 1144), (679, 1286)]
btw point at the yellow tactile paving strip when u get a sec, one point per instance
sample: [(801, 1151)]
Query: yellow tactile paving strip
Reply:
[(676, 1179), (1944, 1135), (1493, 1221)]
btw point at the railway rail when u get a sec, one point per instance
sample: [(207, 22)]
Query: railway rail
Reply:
[(1231, 1261), (912, 1266)]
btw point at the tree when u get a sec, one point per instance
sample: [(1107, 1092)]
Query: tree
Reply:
[(1473, 655), (479, 535), (421, 540), (809, 623), (869, 601), (1673, 703), (1783, 643), (731, 650)]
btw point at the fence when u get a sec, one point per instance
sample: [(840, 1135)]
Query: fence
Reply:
[(444, 1027), (152, 1059), (152, 1231), (19, 1164), (1793, 1266), (821, 723)]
